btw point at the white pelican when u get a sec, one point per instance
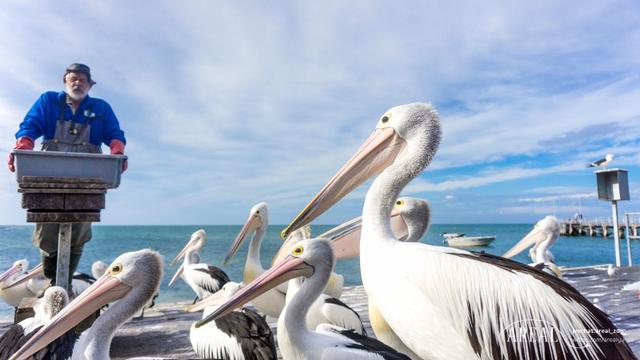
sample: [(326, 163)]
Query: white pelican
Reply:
[(54, 299), (98, 268), (239, 335), (132, 279), (34, 282), (313, 259), (258, 221), (203, 279), (409, 222), (544, 234), (16, 284), (446, 303)]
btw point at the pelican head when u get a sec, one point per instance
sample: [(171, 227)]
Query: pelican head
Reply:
[(258, 219), (36, 272), (98, 268), (547, 229), (55, 298), (308, 257), (416, 218), (404, 131), (18, 267), (196, 242), (135, 274)]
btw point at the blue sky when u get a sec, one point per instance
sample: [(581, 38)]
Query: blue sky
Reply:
[(226, 104)]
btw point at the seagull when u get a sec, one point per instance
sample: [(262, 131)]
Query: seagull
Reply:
[(602, 162)]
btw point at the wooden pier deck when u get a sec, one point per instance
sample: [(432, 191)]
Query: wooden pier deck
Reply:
[(164, 332)]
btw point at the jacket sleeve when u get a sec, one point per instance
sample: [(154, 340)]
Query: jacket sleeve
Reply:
[(33, 124), (112, 127)]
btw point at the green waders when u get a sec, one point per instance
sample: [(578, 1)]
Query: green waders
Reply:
[(70, 137)]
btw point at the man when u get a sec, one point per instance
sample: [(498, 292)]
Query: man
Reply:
[(68, 121)]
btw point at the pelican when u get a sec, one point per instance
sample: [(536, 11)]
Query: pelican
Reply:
[(132, 279), (98, 268), (270, 303), (446, 303), (409, 222), (34, 282), (239, 335), (204, 279), (16, 284), (544, 234), (54, 299), (313, 259)]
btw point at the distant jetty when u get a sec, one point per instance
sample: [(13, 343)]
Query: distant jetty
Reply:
[(597, 227)]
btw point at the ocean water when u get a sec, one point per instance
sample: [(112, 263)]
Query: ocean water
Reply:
[(110, 241)]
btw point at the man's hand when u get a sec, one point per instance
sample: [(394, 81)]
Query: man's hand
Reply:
[(23, 143), (117, 148)]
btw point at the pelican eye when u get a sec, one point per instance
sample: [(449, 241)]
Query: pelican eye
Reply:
[(399, 203), (385, 119), (115, 269), (297, 251)]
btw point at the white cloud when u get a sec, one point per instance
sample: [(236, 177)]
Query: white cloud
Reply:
[(237, 103)]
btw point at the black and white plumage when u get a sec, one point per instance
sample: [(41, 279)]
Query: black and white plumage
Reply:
[(446, 303), (327, 309), (313, 259), (54, 299), (131, 279), (602, 162), (240, 335), (203, 279)]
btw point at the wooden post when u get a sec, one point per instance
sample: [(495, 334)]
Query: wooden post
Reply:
[(64, 246)]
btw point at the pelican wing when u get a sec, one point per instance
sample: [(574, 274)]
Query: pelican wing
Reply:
[(210, 278), (340, 314), (493, 297), (359, 346)]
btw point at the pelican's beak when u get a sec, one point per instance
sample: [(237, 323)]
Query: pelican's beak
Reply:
[(253, 222), (345, 238), (377, 153), (211, 300), (10, 272), (35, 272), (105, 290), (289, 268), (399, 225), (184, 250), (175, 277), (534, 236)]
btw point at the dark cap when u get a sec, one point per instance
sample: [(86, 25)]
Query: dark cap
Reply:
[(80, 68)]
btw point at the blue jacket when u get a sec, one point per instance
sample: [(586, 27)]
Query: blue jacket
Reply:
[(43, 115)]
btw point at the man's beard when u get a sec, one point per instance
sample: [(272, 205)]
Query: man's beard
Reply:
[(77, 95)]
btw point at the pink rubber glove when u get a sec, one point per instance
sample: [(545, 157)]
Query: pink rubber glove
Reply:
[(23, 143), (117, 148)]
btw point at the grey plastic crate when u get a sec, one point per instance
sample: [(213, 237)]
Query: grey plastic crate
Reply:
[(65, 164)]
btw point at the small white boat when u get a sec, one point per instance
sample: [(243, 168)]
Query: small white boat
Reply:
[(451, 235), (469, 241)]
